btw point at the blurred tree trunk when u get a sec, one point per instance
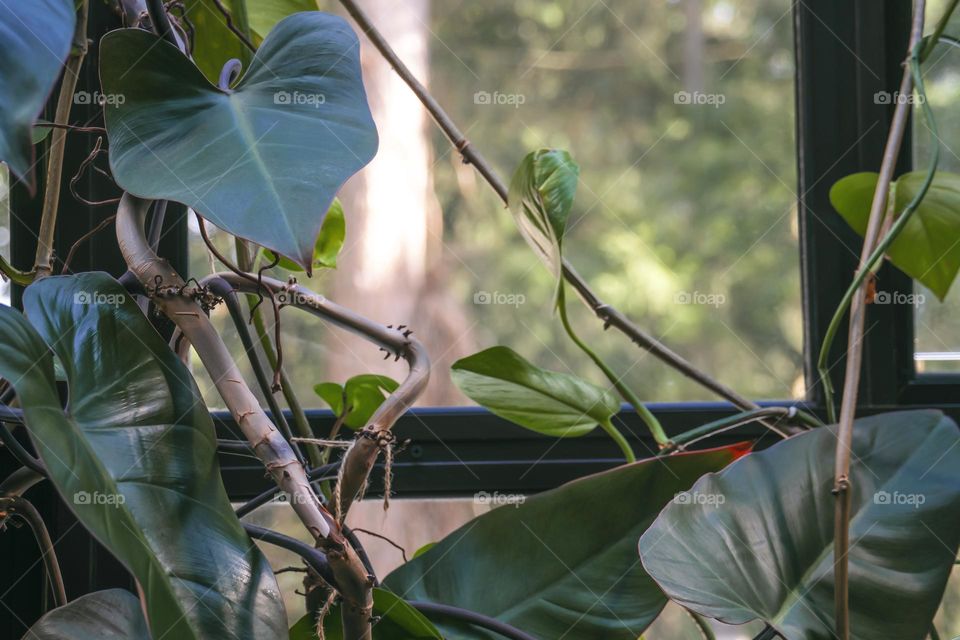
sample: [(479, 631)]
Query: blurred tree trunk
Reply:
[(693, 47), (392, 268)]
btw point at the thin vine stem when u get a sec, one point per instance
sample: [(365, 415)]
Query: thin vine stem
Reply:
[(656, 429), (24, 509), (22, 278), (683, 440), (871, 255)]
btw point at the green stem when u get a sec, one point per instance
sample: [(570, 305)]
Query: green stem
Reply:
[(932, 40), (300, 423), (741, 419), (874, 260), (702, 625), (618, 438), (22, 278), (656, 429)]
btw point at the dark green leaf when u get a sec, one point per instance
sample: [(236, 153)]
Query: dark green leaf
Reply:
[(114, 614), (551, 403), (329, 242), (263, 161), (399, 621), (756, 540), (928, 248), (134, 456), (563, 563), (541, 196), (36, 37)]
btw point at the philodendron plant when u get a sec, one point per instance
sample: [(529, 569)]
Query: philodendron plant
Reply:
[(841, 531)]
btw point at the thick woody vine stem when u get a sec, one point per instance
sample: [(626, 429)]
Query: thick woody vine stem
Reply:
[(609, 315), (878, 214), (58, 140), (376, 435), (172, 296)]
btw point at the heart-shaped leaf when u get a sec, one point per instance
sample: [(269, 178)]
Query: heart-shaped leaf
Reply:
[(36, 37), (264, 161), (134, 455), (756, 540), (562, 564), (363, 395), (554, 404), (397, 620), (928, 248), (114, 614), (541, 196), (329, 242)]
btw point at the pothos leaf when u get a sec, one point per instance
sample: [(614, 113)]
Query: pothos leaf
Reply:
[(329, 242), (540, 198), (360, 397), (928, 248)]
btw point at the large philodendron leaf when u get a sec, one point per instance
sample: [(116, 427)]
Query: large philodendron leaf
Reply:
[(36, 37), (541, 196), (114, 614), (263, 161), (134, 455), (563, 563), (548, 402), (928, 248), (756, 540)]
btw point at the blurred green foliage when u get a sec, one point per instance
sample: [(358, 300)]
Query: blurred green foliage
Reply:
[(674, 198)]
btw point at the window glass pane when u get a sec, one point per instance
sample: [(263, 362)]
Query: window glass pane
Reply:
[(681, 116), (937, 333)]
